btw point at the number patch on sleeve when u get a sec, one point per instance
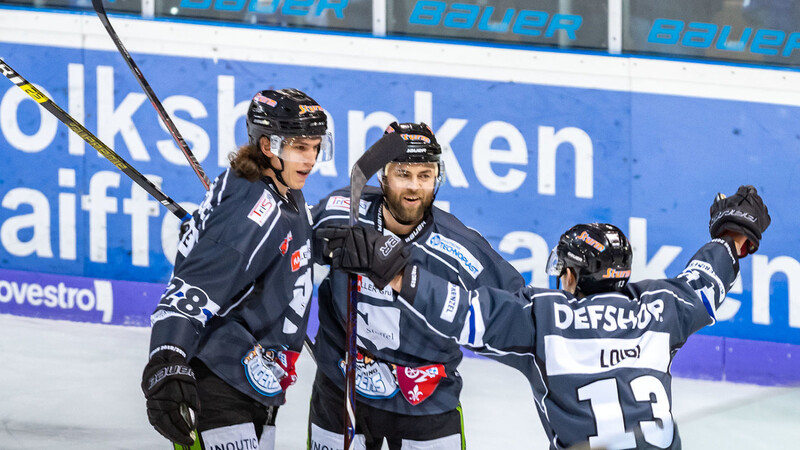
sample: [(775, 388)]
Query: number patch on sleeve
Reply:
[(191, 301)]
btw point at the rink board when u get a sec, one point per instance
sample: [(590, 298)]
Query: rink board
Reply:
[(529, 160)]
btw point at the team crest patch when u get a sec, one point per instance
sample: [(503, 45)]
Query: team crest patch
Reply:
[(262, 209), (419, 383), (261, 378), (374, 379), (340, 203)]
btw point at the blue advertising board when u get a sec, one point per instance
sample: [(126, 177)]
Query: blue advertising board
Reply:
[(527, 162)]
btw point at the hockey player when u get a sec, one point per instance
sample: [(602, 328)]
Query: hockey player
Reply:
[(407, 384), (231, 322), (597, 354)]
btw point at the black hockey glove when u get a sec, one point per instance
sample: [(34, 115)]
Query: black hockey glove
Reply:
[(171, 391), (743, 212), (366, 251)]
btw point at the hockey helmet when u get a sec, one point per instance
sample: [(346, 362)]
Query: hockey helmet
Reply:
[(421, 147), (287, 114), (600, 255)]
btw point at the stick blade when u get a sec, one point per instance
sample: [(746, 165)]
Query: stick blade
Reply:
[(388, 148)]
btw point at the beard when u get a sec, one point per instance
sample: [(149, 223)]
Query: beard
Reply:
[(402, 212)]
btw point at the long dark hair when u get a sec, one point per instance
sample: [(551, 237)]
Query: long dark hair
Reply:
[(248, 162)]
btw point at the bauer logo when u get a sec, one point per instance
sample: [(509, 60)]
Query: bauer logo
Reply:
[(56, 297), (454, 249)]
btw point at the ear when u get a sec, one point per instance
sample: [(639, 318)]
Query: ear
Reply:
[(265, 147)]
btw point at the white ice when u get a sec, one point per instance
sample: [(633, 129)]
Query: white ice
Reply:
[(66, 385)]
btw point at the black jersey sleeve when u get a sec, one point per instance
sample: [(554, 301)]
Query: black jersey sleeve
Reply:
[(486, 317), (698, 291)]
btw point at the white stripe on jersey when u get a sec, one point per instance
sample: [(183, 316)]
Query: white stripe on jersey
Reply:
[(222, 188), (439, 258), (271, 226), (244, 296), (564, 356), (360, 219)]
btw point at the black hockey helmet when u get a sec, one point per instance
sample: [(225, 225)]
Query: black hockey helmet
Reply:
[(421, 146), (600, 255), (284, 114)]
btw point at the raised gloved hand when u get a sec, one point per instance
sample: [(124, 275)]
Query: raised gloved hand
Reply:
[(171, 391), (743, 212), (366, 251)]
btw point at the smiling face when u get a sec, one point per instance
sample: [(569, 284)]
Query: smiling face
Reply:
[(299, 155), (408, 189)]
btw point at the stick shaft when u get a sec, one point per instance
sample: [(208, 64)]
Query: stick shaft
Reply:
[(92, 140), (162, 113)]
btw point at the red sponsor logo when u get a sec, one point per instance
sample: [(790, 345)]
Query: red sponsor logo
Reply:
[(285, 244)]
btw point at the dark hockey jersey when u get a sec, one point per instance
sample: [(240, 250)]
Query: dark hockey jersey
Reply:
[(402, 354), (598, 366), (241, 285)]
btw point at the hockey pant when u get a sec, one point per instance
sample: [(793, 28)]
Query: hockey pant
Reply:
[(229, 418), (402, 432)]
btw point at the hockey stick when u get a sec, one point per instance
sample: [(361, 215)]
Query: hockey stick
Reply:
[(387, 149), (101, 13), (92, 140)]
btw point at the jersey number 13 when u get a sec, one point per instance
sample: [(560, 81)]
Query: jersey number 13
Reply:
[(603, 396)]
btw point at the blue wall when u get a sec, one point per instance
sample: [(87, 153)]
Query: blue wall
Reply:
[(651, 160)]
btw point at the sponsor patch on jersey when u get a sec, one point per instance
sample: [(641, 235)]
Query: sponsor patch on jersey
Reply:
[(341, 203), (368, 288), (285, 244), (451, 303), (455, 250), (301, 256), (262, 209), (379, 325)]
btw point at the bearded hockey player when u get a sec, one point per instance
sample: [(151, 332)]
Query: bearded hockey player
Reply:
[(231, 322), (407, 384), (597, 354)]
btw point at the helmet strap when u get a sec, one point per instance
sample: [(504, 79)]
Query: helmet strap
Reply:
[(278, 173)]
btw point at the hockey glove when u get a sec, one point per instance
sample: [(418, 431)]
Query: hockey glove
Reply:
[(366, 251), (743, 212), (171, 392)]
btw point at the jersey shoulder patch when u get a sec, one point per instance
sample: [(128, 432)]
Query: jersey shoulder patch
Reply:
[(455, 250), (263, 208), (342, 203)]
